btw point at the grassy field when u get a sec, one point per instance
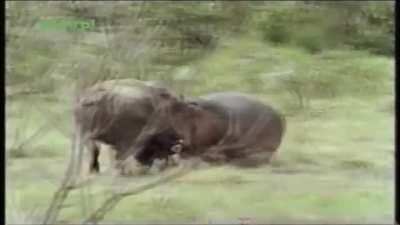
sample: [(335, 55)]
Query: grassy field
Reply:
[(335, 164)]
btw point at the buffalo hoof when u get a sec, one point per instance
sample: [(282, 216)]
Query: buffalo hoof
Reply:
[(159, 165), (130, 167), (134, 171), (174, 159), (94, 170)]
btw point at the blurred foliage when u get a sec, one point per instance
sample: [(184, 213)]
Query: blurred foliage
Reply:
[(162, 40), (317, 25)]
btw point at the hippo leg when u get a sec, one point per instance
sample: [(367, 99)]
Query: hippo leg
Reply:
[(94, 156), (224, 153), (238, 155), (214, 156), (256, 159)]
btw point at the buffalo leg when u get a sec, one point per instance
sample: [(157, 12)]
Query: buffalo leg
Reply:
[(94, 157), (224, 153)]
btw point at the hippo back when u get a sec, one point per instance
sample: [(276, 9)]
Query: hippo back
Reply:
[(245, 108), (250, 121)]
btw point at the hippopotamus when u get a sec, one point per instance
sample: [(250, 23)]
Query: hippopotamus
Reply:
[(226, 127), (114, 112)]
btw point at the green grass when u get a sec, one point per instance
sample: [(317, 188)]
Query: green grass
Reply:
[(333, 168), (335, 164), (249, 65)]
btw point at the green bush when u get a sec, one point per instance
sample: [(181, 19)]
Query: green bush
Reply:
[(277, 33), (319, 26), (376, 43), (275, 29), (312, 42)]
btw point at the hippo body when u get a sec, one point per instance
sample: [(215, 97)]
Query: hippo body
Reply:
[(223, 127)]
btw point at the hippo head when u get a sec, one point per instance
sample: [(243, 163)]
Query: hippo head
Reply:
[(181, 116), (172, 112), (160, 126)]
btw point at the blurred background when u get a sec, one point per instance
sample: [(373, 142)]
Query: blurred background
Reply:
[(327, 66)]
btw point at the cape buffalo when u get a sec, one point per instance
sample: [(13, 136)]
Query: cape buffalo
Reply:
[(114, 112), (221, 127)]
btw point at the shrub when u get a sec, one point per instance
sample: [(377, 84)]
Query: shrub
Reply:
[(319, 26), (311, 42), (275, 29)]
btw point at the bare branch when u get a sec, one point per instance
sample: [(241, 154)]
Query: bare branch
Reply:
[(112, 201), (40, 131), (69, 178)]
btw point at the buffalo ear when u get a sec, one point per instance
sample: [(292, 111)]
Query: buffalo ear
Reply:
[(165, 95), (177, 107), (194, 103)]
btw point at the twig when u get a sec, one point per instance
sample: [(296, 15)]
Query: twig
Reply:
[(112, 201), (29, 139), (62, 192)]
